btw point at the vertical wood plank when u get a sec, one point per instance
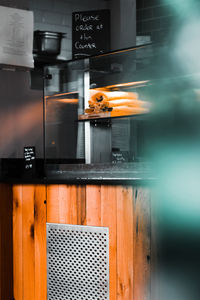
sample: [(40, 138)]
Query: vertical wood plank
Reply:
[(53, 203), (125, 243), (142, 228), (81, 205), (73, 204), (155, 250), (17, 242), (93, 205), (6, 243), (109, 219), (68, 204), (62, 204), (28, 194), (40, 242)]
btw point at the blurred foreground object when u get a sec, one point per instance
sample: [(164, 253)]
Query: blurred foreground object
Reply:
[(175, 151)]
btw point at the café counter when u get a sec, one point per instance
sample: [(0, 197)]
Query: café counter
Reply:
[(117, 197), (93, 114)]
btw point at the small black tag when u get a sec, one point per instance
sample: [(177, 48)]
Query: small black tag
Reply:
[(29, 159), (120, 157)]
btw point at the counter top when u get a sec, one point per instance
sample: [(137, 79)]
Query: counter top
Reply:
[(100, 173), (107, 173)]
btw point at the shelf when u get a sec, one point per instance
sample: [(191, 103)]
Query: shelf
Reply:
[(86, 117), (106, 115)]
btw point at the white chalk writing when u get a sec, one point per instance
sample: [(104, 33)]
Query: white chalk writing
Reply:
[(78, 45), (84, 18)]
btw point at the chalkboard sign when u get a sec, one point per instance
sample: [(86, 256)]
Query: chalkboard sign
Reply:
[(29, 157), (120, 156), (90, 33)]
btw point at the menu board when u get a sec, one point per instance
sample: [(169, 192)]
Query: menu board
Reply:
[(29, 157), (16, 37), (90, 33), (120, 156)]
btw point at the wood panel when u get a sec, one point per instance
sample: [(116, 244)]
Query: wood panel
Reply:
[(17, 242), (29, 240), (81, 205), (93, 205), (124, 243), (126, 212), (155, 250), (142, 243), (40, 243), (6, 248), (28, 266), (109, 219), (66, 204), (123, 209)]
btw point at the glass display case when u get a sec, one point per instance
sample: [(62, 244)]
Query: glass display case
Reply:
[(97, 109)]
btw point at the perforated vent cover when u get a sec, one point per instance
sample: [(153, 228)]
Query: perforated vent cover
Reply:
[(77, 262)]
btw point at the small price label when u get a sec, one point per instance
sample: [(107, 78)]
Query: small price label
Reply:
[(29, 157), (120, 157)]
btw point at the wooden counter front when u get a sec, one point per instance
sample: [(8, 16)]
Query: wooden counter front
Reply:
[(124, 209)]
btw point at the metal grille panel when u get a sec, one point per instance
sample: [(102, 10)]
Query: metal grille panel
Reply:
[(77, 262)]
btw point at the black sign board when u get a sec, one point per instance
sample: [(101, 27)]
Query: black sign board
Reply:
[(29, 157), (120, 156), (90, 33)]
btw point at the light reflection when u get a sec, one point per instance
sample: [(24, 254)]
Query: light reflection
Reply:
[(60, 95), (20, 124), (127, 84), (66, 100)]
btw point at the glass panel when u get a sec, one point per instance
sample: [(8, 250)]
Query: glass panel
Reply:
[(120, 90), (97, 110), (64, 136)]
